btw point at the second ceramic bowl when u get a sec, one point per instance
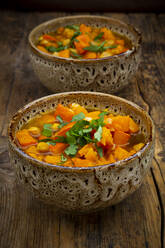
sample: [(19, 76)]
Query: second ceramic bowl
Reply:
[(104, 74)]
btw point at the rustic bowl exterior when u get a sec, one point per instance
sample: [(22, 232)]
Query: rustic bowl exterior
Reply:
[(104, 75), (81, 190)]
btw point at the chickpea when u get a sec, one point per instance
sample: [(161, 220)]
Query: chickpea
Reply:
[(43, 147), (110, 43), (66, 42), (44, 42), (72, 50), (34, 131), (40, 38), (105, 54), (55, 126), (55, 53), (68, 33)]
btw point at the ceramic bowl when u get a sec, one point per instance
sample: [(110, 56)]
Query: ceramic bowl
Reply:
[(80, 190), (104, 74)]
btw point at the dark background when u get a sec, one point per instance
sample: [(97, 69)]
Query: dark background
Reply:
[(87, 5)]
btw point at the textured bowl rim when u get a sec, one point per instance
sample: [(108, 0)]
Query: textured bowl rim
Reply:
[(71, 60), (36, 162)]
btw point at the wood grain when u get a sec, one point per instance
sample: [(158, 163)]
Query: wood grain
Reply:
[(136, 222)]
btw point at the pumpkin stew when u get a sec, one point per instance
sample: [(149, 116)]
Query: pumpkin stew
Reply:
[(76, 137), (83, 42)]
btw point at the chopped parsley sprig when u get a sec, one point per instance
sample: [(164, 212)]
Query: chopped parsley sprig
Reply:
[(74, 27), (99, 48), (78, 135), (99, 36), (77, 33)]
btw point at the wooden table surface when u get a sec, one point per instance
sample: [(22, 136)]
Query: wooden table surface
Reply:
[(136, 222)]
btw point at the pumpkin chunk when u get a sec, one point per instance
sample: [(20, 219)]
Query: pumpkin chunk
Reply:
[(138, 146), (120, 153), (78, 109), (82, 162), (52, 159), (65, 113), (24, 138), (121, 123), (106, 139), (81, 42), (58, 148), (121, 138), (64, 129), (134, 128)]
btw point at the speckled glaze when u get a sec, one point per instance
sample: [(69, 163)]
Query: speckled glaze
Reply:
[(66, 74), (80, 190)]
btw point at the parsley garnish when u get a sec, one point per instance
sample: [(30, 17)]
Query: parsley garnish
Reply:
[(94, 48), (99, 36), (62, 123), (70, 139), (47, 131), (109, 47), (53, 49), (75, 27), (63, 158), (75, 55), (100, 48), (71, 150), (78, 117), (49, 141), (58, 117), (59, 43), (99, 150), (74, 38), (98, 133), (78, 135)]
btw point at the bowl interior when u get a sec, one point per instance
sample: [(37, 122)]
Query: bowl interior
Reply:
[(90, 100), (96, 21)]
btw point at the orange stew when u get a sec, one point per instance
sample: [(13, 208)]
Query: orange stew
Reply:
[(83, 42), (75, 137)]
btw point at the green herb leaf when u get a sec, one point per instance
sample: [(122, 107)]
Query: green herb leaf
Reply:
[(100, 151), (103, 113), (59, 43), (53, 49), (81, 141), (94, 48), (47, 131), (87, 130), (63, 158), (75, 27), (71, 150), (70, 138), (76, 55), (78, 117), (100, 48), (60, 139), (101, 119), (58, 117), (79, 125), (88, 139), (74, 38), (99, 36), (98, 134), (109, 47), (51, 141), (75, 35)]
